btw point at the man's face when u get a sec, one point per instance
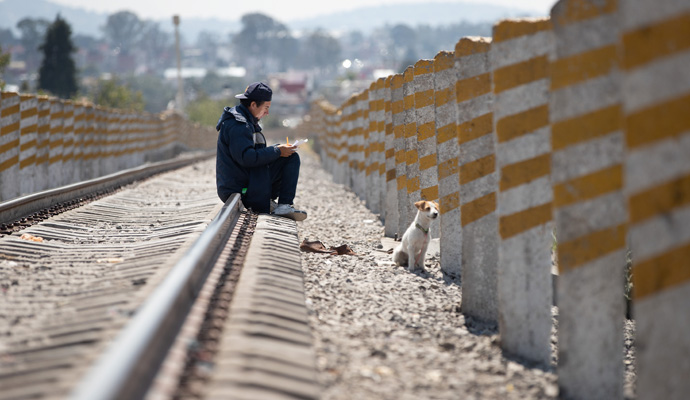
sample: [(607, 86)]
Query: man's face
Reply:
[(259, 111)]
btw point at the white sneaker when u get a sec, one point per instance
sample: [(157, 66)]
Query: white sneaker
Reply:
[(273, 205), (288, 211)]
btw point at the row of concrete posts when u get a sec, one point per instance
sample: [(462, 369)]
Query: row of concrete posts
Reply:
[(576, 127), (47, 142)]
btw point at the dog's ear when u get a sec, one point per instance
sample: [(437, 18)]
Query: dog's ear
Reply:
[(420, 204)]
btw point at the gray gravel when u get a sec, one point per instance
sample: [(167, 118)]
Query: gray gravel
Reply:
[(381, 332)]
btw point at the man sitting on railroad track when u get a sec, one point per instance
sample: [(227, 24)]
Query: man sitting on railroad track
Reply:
[(245, 165)]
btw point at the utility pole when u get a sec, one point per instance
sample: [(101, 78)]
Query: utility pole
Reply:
[(179, 101)]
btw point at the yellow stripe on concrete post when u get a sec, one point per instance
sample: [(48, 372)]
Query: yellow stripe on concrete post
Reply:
[(445, 119), (55, 172), (656, 100), (411, 151), (588, 204), (28, 143), (9, 145), (390, 208), (477, 179), (520, 53)]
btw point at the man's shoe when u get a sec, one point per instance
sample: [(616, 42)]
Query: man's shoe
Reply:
[(288, 211), (273, 205)]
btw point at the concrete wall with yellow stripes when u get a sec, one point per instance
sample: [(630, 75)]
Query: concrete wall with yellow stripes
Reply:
[(575, 126), (47, 142)]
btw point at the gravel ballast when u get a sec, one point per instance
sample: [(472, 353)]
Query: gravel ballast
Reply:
[(381, 332)]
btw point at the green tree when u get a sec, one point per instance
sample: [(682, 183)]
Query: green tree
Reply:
[(157, 92), (4, 61), (57, 74), (112, 93), (205, 111)]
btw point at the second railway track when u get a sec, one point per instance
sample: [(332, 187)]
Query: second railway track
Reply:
[(71, 282)]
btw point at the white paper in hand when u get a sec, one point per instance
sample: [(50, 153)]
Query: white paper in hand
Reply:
[(299, 142)]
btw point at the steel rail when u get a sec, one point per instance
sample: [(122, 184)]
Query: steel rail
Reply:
[(127, 368), (24, 206)]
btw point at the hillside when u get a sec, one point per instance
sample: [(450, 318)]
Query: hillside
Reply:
[(363, 19)]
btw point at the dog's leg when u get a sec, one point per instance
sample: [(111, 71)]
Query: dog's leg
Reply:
[(411, 261), (422, 255)]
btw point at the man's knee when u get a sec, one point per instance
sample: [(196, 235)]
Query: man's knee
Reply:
[(294, 159)]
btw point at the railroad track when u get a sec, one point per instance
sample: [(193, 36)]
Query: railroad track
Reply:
[(97, 284)]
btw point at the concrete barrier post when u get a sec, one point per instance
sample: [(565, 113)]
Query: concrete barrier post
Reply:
[(28, 141), (520, 54), (100, 139), (390, 207), (656, 101), (55, 171), (478, 179), (380, 177), (88, 171), (349, 142), (341, 147), (79, 133), (373, 186), (398, 121), (370, 138), (10, 118), (589, 209), (447, 158), (361, 136), (411, 152), (68, 142), (425, 116), (43, 144)]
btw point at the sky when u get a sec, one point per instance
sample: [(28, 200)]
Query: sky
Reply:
[(285, 10)]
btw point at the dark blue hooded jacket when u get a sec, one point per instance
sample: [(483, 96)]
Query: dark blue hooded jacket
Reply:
[(242, 159)]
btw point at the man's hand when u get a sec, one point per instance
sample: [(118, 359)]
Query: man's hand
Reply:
[(286, 150)]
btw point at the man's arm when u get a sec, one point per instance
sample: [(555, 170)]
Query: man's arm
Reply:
[(241, 143)]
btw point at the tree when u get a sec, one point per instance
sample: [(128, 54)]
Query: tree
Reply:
[(320, 50), (111, 93), (4, 61), (57, 74), (32, 34), (123, 31), (265, 40), (157, 45)]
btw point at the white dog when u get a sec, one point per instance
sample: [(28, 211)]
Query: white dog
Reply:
[(415, 241)]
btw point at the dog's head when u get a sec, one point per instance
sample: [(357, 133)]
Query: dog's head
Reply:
[(428, 208)]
